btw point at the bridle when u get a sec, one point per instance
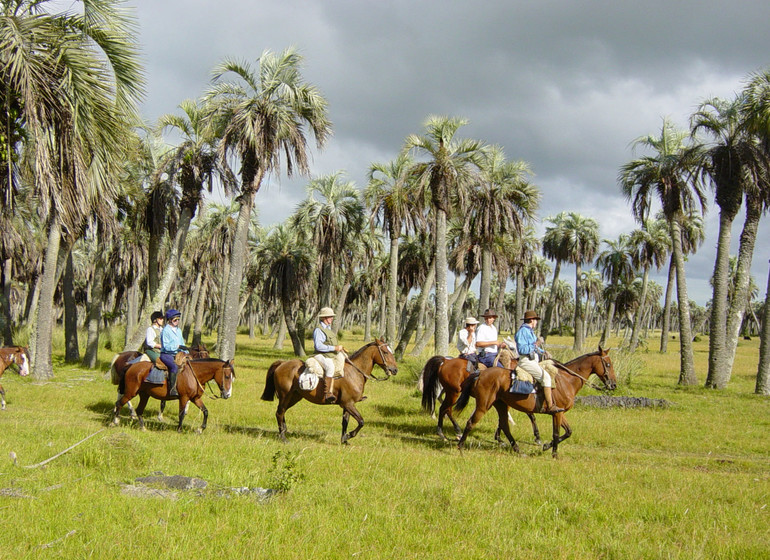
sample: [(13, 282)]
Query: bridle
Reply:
[(605, 375), (382, 357)]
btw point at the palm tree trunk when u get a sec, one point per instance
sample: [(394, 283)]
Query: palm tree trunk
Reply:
[(42, 366), (664, 328), (132, 307), (153, 262), (608, 324), (687, 367), (71, 346), (546, 326), (171, 266), (392, 295), (291, 326), (441, 339), (718, 323), (520, 293), (578, 322), (485, 286), (411, 324), (763, 369), (740, 293), (639, 311), (6, 322), (93, 321), (280, 336), (189, 317), (368, 319)]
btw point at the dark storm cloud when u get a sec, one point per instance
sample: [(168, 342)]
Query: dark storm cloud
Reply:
[(563, 85)]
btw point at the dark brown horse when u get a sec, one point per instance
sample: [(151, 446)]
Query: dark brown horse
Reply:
[(283, 379), (447, 375), (491, 389), (12, 355), (193, 375)]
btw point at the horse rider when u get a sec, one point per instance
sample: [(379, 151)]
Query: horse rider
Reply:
[(487, 339), (328, 352), (530, 351), (172, 342), (152, 344), (466, 342)]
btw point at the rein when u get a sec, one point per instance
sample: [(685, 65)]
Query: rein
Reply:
[(369, 375), (585, 379)]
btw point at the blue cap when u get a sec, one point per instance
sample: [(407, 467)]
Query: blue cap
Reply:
[(171, 313)]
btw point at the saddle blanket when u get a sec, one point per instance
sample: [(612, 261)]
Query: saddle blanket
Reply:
[(156, 376)]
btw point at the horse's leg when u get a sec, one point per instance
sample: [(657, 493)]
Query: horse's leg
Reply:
[(162, 408), (285, 402), (352, 410), (475, 418), (119, 404), (345, 420), (183, 401), (554, 444), (2, 398), (446, 410), (143, 400), (502, 424), (535, 430), (199, 403)]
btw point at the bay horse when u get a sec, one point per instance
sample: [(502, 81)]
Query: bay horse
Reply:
[(190, 382), (442, 374), (13, 355), (283, 379), (491, 389)]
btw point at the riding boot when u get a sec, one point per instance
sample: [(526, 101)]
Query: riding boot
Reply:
[(550, 407), (172, 392), (328, 390)]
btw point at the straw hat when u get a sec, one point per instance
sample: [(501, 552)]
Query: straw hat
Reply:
[(471, 321), (326, 312)]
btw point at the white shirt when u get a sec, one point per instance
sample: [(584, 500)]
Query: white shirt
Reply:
[(152, 337), (487, 333), (463, 345)]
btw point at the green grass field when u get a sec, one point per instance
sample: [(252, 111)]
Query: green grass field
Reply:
[(688, 481)]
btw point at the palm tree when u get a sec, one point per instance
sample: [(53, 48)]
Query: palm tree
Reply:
[(554, 249), (649, 247), (288, 265), (733, 162), (530, 271), (580, 242), (264, 115), (617, 269), (393, 200), (668, 174), (450, 169), (502, 206), (77, 79), (763, 368), (331, 223)]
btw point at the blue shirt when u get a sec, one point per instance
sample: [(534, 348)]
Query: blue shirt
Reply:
[(319, 339), (525, 340), (171, 339)]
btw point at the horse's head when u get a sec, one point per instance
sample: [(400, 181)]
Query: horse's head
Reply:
[(385, 358), (20, 357), (224, 378), (606, 371)]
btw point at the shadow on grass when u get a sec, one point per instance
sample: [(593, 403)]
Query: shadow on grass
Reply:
[(273, 434)]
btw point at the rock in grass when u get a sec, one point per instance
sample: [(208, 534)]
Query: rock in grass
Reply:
[(606, 401)]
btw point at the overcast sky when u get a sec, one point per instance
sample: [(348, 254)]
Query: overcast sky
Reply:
[(564, 85)]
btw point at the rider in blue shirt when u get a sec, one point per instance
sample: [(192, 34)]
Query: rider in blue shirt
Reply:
[(172, 342), (530, 354)]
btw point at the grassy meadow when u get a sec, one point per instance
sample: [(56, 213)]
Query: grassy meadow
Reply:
[(691, 480)]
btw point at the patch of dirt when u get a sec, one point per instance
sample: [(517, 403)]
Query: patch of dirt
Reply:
[(606, 401)]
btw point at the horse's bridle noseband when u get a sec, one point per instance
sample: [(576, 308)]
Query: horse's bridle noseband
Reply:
[(382, 357)]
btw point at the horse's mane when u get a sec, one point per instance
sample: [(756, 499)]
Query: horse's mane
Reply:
[(364, 347), (594, 353)]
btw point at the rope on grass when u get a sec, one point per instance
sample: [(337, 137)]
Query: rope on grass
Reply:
[(62, 452)]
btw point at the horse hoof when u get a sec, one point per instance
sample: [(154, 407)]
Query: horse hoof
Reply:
[(199, 431), (538, 442)]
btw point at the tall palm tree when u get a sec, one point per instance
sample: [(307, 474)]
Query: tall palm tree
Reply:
[(649, 247), (449, 169), (288, 266), (503, 204), (265, 116), (763, 368), (331, 222), (733, 162), (617, 269), (554, 249), (392, 197), (668, 175), (525, 247), (77, 78), (193, 165)]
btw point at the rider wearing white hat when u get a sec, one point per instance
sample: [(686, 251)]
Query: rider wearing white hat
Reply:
[(328, 351), (466, 341)]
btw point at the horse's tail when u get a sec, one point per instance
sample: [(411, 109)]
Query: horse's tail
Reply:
[(269, 393), (430, 383), (116, 376), (465, 394)]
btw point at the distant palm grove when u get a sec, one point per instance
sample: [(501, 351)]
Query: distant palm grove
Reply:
[(104, 221)]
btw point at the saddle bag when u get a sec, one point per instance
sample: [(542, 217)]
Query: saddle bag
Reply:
[(521, 387)]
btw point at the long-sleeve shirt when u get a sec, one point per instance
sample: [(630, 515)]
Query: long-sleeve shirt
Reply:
[(171, 339), (320, 337), (152, 337), (525, 341), (463, 345)]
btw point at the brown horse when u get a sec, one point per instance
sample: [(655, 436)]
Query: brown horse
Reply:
[(12, 355), (283, 378), (491, 389), (447, 375), (193, 375)]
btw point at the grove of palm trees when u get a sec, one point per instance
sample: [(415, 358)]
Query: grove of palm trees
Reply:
[(106, 219)]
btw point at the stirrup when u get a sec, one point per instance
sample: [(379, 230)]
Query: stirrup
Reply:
[(329, 398), (554, 410)]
